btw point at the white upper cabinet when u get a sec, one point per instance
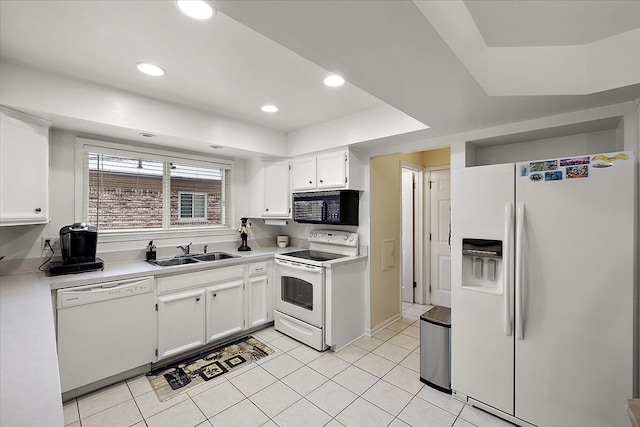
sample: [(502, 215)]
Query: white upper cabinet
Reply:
[(332, 170), (339, 169), (303, 173), (24, 169), (269, 188)]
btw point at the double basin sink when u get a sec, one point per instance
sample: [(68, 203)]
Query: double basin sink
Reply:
[(190, 259)]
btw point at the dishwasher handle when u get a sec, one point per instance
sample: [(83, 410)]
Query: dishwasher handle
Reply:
[(81, 295)]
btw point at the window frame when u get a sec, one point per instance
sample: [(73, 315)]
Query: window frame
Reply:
[(193, 200), (129, 149)]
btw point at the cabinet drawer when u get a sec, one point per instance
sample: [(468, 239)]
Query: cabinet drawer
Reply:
[(257, 268), (198, 278)]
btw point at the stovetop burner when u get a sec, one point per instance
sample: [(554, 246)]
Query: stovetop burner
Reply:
[(314, 255)]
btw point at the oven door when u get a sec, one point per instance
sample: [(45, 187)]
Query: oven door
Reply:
[(300, 291)]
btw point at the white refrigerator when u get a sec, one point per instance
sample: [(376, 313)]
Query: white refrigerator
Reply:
[(543, 296)]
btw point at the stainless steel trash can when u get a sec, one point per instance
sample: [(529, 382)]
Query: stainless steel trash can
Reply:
[(435, 348)]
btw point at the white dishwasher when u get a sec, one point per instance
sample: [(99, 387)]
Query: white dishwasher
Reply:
[(104, 330)]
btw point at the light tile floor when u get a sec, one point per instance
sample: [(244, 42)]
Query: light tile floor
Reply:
[(373, 382)]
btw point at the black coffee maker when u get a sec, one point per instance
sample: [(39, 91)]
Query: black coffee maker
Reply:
[(78, 243)]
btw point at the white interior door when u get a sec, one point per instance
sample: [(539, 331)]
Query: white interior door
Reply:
[(440, 196), (407, 236)]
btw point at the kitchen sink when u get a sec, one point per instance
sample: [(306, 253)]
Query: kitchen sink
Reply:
[(190, 259), (214, 256), (173, 261)]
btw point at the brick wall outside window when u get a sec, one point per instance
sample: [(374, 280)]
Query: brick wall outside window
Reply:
[(128, 201)]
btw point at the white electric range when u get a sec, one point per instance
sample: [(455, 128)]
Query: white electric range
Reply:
[(320, 291)]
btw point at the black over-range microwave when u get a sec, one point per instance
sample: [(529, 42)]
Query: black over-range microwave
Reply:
[(326, 207)]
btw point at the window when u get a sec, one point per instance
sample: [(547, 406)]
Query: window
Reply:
[(192, 206), (126, 191)]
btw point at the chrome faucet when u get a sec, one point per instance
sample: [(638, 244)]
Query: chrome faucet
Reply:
[(205, 248), (185, 248)]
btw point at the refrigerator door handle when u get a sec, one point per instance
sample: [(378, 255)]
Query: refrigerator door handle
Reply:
[(519, 257), (506, 270)]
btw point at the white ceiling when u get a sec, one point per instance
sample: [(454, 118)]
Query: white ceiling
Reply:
[(389, 49), (274, 51), (552, 23), (218, 65)]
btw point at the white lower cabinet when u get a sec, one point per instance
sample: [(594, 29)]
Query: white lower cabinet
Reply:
[(260, 298), (202, 307), (225, 309), (259, 293), (181, 322)]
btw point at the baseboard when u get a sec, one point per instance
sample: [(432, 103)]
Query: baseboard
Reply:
[(383, 325), (349, 343)]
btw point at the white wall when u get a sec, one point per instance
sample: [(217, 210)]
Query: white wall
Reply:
[(23, 242), (374, 123), (101, 110), (587, 143)]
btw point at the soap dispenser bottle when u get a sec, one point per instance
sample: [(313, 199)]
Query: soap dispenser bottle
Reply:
[(151, 251)]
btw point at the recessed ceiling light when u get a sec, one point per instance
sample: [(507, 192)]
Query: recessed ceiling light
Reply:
[(269, 108), (334, 81), (196, 9), (148, 135), (150, 69)]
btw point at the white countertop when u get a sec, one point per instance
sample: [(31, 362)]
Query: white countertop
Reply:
[(132, 269), (29, 381)]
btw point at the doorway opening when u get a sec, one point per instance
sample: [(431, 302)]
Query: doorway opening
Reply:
[(411, 236), (425, 224)]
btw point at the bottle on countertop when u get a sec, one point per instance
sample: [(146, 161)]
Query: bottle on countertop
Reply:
[(151, 251)]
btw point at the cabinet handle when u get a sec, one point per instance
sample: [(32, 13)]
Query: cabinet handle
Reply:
[(215, 295), (310, 182), (197, 299), (267, 209), (321, 181), (38, 210)]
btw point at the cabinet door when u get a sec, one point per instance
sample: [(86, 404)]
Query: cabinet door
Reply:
[(332, 169), (277, 191), (225, 309), (303, 173), (24, 193), (259, 300), (181, 322)]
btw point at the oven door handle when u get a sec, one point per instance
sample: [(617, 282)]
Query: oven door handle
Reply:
[(299, 266)]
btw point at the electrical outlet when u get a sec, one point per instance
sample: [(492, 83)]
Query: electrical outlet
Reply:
[(54, 241)]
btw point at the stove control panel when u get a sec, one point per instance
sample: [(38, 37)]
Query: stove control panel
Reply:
[(334, 237)]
